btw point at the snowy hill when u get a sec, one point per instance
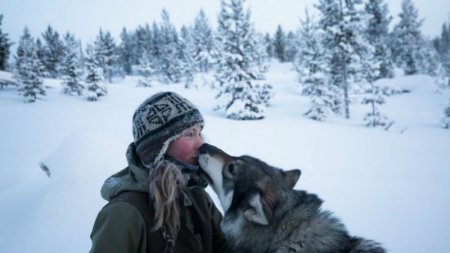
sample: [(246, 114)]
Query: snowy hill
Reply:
[(390, 186)]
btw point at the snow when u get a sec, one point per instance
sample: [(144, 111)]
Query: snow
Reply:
[(390, 186)]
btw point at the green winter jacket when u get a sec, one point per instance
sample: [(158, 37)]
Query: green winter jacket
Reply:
[(120, 226)]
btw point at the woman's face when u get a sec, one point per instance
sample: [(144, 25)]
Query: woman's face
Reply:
[(186, 147)]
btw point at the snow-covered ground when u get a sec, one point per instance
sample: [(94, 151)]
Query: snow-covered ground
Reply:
[(390, 186)]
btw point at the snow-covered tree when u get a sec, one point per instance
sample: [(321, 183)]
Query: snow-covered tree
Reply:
[(241, 84), (53, 52), (94, 80), (142, 41), (5, 45), (263, 59), (344, 23), (378, 35), (407, 46), (291, 47), (374, 96), (105, 54), (279, 44), (203, 42), (27, 71), (170, 66), (126, 51), (311, 66), (446, 119), (269, 45), (71, 68), (146, 70), (442, 46), (186, 56)]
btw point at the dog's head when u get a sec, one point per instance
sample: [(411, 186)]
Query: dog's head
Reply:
[(246, 186)]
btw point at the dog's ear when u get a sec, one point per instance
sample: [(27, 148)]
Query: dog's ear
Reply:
[(255, 213), (291, 177)]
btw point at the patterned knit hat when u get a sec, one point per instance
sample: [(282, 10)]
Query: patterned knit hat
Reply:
[(159, 120)]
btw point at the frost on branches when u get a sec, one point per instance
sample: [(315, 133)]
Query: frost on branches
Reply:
[(446, 119), (375, 96), (28, 72), (71, 67), (94, 79), (241, 85)]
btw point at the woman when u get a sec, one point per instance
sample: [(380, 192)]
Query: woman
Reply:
[(158, 203)]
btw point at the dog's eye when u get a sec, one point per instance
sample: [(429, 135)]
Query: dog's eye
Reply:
[(229, 171), (231, 168)]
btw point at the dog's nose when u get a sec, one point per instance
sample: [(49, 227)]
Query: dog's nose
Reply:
[(204, 148)]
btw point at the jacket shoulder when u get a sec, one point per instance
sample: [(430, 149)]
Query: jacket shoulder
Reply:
[(118, 228)]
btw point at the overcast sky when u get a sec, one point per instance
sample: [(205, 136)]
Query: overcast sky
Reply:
[(84, 18)]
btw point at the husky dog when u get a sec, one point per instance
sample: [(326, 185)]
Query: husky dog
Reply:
[(264, 214)]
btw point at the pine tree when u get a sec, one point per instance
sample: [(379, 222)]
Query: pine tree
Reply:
[(186, 56), (442, 45), (408, 40), (374, 94), (269, 45), (291, 47), (203, 42), (71, 66), (4, 47), (263, 59), (95, 84), (105, 53), (378, 35), (241, 85), (27, 71), (53, 52), (125, 51), (279, 44), (311, 66), (146, 70), (445, 122), (169, 62), (343, 24)]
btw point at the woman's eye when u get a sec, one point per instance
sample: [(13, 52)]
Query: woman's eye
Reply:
[(189, 134)]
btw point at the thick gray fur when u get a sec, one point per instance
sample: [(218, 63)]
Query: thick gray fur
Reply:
[(287, 220)]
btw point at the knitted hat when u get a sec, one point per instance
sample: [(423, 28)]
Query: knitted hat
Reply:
[(159, 120)]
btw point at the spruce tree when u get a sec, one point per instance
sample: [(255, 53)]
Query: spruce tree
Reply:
[(27, 71), (203, 42), (71, 66), (408, 40), (242, 87), (146, 70), (445, 121), (125, 51), (378, 36), (53, 52), (291, 47), (94, 79), (279, 44), (186, 56), (442, 45), (311, 66), (374, 94), (4, 47), (170, 66), (269, 45), (343, 24), (105, 54)]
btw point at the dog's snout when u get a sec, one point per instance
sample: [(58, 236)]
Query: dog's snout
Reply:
[(204, 148)]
